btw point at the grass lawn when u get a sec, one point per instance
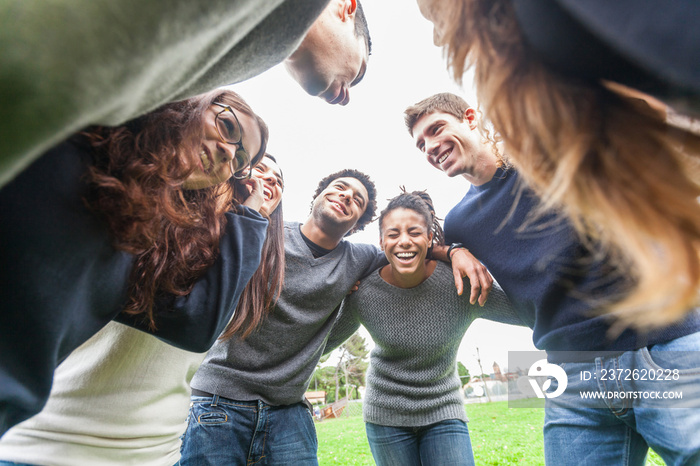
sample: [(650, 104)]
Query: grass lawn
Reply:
[(500, 436)]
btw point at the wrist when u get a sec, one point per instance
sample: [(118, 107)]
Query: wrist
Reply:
[(453, 248)]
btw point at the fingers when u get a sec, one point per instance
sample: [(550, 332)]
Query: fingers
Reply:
[(459, 282), (464, 264), (256, 197), (354, 288)]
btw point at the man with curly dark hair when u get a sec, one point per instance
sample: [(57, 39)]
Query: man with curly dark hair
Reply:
[(244, 384)]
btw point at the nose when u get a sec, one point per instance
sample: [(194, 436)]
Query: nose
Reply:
[(345, 196), (269, 178), (404, 240), (346, 99), (431, 147), (227, 153)]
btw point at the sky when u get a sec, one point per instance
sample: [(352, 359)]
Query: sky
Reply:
[(312, 139)]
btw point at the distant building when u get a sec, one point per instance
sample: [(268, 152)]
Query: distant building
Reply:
[(318, 397)]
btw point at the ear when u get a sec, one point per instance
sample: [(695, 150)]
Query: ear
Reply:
[(348, 9), (470, 117)]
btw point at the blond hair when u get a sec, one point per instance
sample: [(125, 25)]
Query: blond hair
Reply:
[(625, 176)]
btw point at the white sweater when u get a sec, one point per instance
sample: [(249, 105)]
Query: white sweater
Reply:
[(119, 399)]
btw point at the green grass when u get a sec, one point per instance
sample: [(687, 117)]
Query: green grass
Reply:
[(500, 436)]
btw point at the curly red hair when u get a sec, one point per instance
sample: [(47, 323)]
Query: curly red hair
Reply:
[(136, 186)]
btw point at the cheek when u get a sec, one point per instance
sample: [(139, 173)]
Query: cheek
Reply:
[(271, 206)]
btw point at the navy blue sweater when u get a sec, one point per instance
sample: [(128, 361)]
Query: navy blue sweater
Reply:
[(61, 280), (549, 276)]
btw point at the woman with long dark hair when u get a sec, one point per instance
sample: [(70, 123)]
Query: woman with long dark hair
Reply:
[(134, 218)]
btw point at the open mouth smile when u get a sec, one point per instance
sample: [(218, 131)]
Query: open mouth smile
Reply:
[(444, 156), (206, 160), (405, 256), (267, 192), (340, 207)]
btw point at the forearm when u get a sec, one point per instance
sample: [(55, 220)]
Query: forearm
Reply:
[(194, 322), (499, 308)]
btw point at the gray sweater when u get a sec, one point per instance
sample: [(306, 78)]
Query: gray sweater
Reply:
[(276, 362), (412, 378)]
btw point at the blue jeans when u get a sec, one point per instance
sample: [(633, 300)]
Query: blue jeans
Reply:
[(619, 430), (445, 443), (223, 432)]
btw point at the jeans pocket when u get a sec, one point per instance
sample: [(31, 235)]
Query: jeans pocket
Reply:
[(213, 417)]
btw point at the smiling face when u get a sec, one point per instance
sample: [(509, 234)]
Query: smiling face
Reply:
[(341, 204), (214, 157), (269, 172), (405, 240), (454, 146), (332, 58)]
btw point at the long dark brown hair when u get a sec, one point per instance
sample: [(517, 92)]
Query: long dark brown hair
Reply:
[(263, 289), (136, 186)]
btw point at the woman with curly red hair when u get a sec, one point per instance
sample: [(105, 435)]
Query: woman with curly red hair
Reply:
[(122, 397), (135, 218)]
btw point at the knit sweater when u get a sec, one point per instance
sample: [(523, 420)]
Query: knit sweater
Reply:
[(276, 362), (67, 65), (62, 280), (412, 377), (553, 281), (119, 399)]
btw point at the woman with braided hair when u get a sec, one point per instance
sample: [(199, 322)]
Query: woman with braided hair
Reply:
[(413, 408)]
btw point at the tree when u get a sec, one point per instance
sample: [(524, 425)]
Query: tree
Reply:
[(463, 374), (351, 367)]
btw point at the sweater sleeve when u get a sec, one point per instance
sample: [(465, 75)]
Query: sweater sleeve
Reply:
[(194, 322), (498, 308), (346, 324), (123, 58)]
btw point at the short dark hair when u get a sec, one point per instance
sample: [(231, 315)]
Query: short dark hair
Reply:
[(443, 102), (361, 28), (370, 207)]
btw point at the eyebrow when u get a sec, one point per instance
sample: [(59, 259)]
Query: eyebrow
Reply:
[(278, 175)]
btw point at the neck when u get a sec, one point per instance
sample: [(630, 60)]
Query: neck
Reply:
[(324, 237), (401, 280)]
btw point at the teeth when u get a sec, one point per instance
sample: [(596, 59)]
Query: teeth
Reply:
[(205, 159), (405, 255), (442, 159)]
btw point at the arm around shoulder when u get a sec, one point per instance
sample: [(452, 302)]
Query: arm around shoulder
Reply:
[(194, 322)]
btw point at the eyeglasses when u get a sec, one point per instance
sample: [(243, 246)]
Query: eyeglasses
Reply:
[(230, 132)]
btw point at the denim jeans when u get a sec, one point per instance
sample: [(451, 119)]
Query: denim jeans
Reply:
[(619, 430), (445, 443), (223, 432)]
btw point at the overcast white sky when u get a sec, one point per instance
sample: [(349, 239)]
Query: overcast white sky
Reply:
[(311, 139)]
